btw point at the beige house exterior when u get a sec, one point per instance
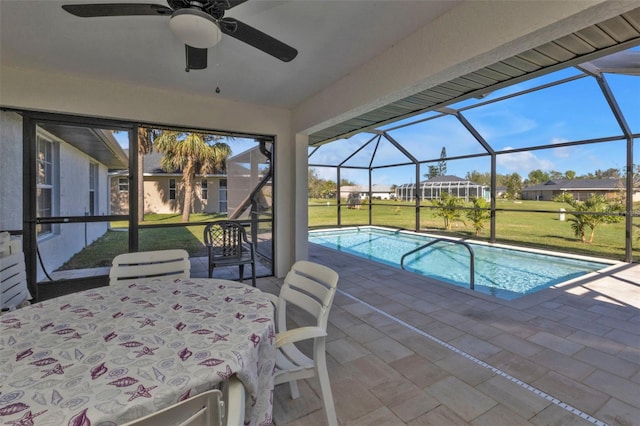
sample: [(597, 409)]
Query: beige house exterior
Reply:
[(580, 189), (164, 192), (378, 191)]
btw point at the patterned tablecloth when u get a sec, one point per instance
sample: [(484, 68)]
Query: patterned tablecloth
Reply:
[(110, 355)]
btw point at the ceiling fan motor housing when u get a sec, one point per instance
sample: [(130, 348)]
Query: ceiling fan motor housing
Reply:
[(195, 28)]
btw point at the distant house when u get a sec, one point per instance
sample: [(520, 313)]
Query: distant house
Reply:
[(164, 191), (214, 193), (431, 189), (579, 188), (378, 191)]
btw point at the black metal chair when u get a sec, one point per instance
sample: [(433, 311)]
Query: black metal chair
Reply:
[(228, 245)]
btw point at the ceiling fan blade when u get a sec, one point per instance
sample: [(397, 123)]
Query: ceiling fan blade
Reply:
[(228, 4), (196, 58), (257, 39), (116, 9)]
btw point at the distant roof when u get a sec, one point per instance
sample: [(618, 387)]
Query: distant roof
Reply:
[(381, 188), (448, 180), (96, 143), (152, 164), (578, 184), (362, 188)]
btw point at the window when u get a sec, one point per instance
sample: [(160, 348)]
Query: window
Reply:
[(123, 184), (172, 189), (44, 183), (93, 183), (204, 189), (223, 196)]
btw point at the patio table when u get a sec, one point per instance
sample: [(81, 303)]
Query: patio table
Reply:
[(109, 355)]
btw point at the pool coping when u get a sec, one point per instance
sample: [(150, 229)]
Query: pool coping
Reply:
[(524, 300)]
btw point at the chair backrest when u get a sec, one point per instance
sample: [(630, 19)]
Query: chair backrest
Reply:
[(5, 247), (201, 410), (309, 286), (128, 267), (225, 239), (13, 281)]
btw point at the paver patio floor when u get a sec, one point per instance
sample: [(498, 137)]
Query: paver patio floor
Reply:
[(404, 349)]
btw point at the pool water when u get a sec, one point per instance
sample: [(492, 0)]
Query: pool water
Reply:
[(501, 272)]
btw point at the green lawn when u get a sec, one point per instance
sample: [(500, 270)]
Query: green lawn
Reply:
[(115, 241), (538, 229)]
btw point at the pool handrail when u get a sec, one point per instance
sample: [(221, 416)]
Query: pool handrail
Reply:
[(472, 260)]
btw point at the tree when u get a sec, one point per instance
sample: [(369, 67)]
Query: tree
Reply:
[(314, 183), (433, 172), (514, 186), (479, 215), (442, 164), (485, 178), (327, 189), (193, 153), (537, 176), (439, 169), (448, 208), (479, 178), (604, 174), (318, 187), (605, 212), (570, 174), (145, 146), (554, 175)]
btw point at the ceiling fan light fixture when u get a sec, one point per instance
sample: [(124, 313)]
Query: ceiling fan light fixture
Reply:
[(195, 28)]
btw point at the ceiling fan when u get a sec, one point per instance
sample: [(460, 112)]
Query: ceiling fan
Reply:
[(198, 24)]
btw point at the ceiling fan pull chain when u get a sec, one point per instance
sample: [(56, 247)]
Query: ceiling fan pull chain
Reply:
[(218, 69)]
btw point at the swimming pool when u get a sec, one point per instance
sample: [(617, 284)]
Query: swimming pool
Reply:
[(502, 272)]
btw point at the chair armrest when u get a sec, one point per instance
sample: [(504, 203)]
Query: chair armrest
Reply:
[(248, 245), (298, 334), (235, 401), (272, 298)]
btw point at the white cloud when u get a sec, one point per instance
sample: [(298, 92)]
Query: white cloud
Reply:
[(497, 123), (522, 162), (561, 152)]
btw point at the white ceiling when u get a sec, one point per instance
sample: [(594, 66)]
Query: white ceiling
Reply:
[(332, 37)]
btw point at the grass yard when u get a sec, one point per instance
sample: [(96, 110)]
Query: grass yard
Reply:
[(115, 241), (538, 229)]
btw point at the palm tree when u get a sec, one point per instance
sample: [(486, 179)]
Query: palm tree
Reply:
[(479, 215), (145, 146), (606, 212), (193, 153), (447, 207)]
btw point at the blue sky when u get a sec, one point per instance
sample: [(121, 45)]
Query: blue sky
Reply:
[(569, 112)]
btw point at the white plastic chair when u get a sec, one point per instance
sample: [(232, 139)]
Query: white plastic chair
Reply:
[(13, 282), (205, 409), (129, 267), (311, 287), (5, 240), (234, 395)]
